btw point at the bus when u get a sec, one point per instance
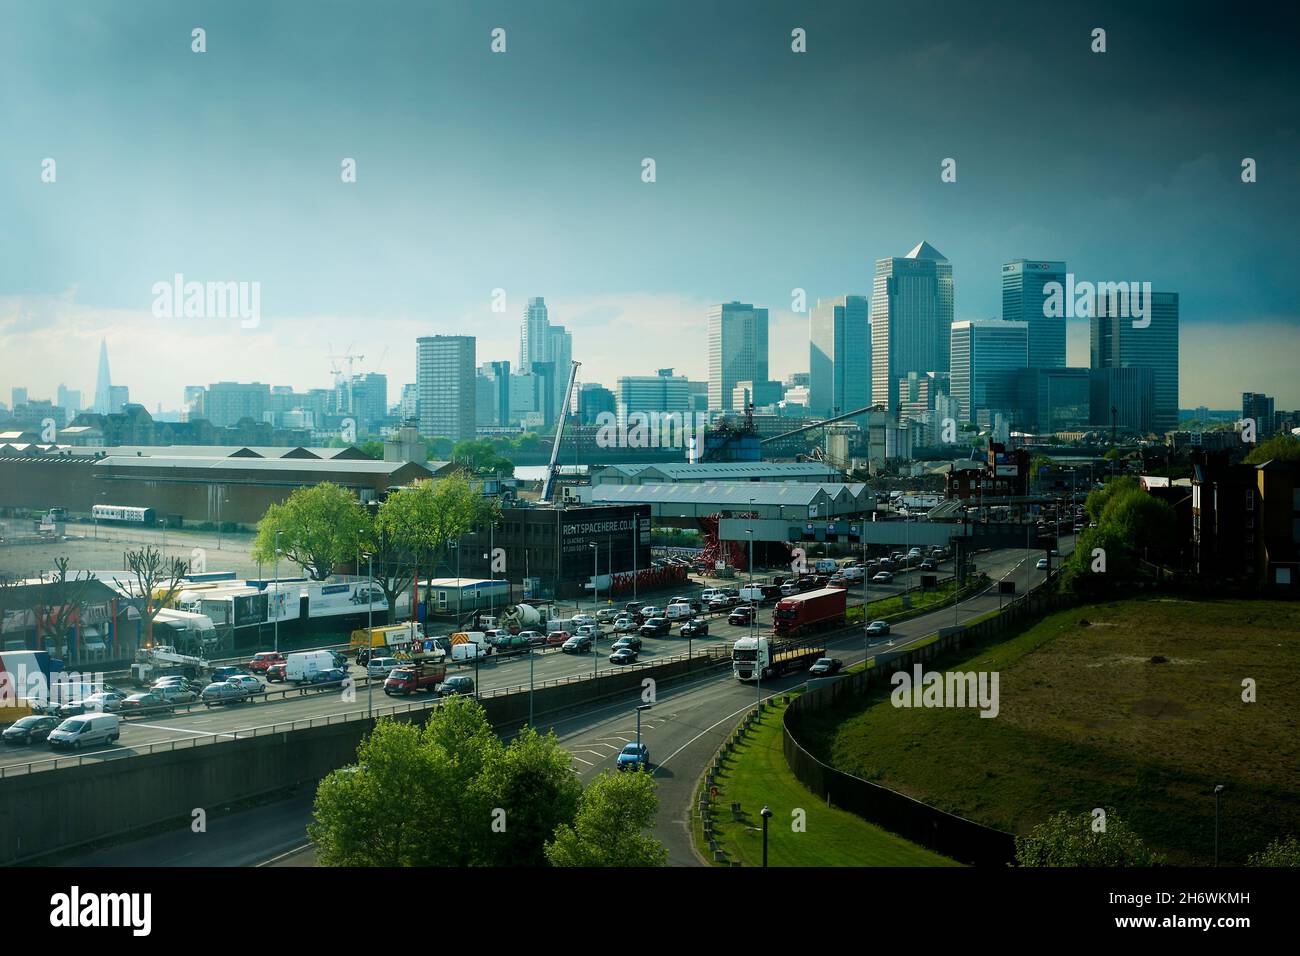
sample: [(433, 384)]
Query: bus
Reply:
[(123, 513)]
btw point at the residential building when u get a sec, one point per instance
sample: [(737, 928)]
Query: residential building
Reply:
[(444, 380)]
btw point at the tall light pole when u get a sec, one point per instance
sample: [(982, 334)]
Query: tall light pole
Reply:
[(595, 569), (530, 685), (370, 636), (640, 707), (277, 589), (595, 637), (766, 814)]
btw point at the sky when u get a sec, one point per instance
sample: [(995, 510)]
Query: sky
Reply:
[(522, 171)]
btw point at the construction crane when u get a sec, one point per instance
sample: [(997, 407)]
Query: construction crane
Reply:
[(552, 470)]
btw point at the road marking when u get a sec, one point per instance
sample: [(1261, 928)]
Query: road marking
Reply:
[(580, 760), (183, 730), (297, 849), (664, 762)]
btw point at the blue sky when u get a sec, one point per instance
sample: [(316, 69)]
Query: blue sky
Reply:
[(522, 171)]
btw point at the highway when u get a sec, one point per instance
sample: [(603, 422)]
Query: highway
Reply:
[(683, 730)]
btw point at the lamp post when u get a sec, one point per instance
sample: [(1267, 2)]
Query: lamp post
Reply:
[(595, 637), (766, 814), (595, 562), (1218, 789), (530, 684), (640, 707), (370, 637), (277, 589)]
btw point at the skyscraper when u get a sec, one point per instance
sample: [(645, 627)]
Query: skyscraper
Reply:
[(987, 356), (911, 319), (534, 334), (737, 350), (561, 343), (1121, 339), (662, 393), (545, 350), (839, 355), (445, 386), (1259, 407), (103, 382), (1022, 301)]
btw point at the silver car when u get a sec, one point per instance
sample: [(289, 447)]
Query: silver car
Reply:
[(224, 692)]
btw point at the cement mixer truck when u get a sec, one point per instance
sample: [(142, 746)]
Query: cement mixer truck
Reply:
[(526, 617)]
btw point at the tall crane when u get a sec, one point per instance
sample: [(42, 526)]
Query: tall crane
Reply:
[(548, 486)]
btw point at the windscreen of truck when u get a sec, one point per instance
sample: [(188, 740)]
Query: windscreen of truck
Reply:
[(787, 613), (742, 655)]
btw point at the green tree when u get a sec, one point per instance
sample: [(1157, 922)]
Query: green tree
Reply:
[(323, 526), (1112, 454), (375, 449), (614, 812), (1281, 447), (1284, 851), (533, 782), (1097, 500), (1073, 839), (481, 457)]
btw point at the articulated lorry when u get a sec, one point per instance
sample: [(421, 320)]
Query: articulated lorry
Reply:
[(754, 658), (807, 613)]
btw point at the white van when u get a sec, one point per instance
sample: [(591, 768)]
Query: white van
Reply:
[(88, 730), (711, 593), (678, 612), (300, 668), (468, 651)]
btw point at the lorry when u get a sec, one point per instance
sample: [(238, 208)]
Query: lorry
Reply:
[(154, 662), (390, 637), (422, 673), (527, 617), (185, 629), (468, 645), (765, 657), (301, 667), (810, 611), (193, 597)]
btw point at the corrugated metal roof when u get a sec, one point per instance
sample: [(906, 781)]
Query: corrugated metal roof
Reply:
[(722, 471), (719, 493), (254, 464)]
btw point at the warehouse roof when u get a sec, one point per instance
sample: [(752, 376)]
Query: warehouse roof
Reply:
[(367, 466), (721, 471), (728, 493), (232, 451)]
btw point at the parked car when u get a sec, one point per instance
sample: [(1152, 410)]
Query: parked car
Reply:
[(275, 673), (824, 666), (656, 627), (457, 684), (877, 627), (882, 577), (248, 682), (577, 644), (29, 730), (741, 616), (381, 666), (630, 640), (696, 627), (634, 756), (143, 703), (264, 659), (624, 655), (223, 692)]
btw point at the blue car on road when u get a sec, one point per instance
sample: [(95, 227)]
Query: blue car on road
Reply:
[(634, 757)]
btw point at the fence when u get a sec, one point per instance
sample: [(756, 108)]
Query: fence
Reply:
[(953, 836)]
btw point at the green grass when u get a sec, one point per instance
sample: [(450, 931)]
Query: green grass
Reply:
[(756, 774), (892, 609), (1087, 720)]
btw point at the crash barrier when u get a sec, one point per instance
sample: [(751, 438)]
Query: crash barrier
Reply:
[(59, 804), (956, 837)]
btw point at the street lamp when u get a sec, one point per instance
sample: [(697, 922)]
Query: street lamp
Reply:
[(530, 684), (595, 562), (277, 589), (640, 707), (370, 636), (595, 637), (766, 814)]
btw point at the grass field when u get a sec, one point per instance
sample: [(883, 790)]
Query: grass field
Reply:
[(1088, 720), (756, 774)]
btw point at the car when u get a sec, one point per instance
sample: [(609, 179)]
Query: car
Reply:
[(882, 577), (743, 616), (103, 702), (853, 573), (177, 684), (532, 638), (650, 611), (248, 682), (221, 673), (457, 684), (589, 630), (624, 655), (381, 666), (720, 605), (634, 756), (928, 565), (29, 730), (607, 615), (826, 665), (143, 703), (264, 659), (331, 675), (1054, 553), (630, 640), (275, 673), (632, 607), (876, 628), (1042, 564), (176, 694), (838, 581), (789, 588), (696, 627), (624, 625), (557, 638), (223, 692), (656, 627), (85, 731), (577, 644), (580, 619)]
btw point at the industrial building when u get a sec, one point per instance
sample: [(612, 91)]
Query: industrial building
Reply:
[(755, 471)]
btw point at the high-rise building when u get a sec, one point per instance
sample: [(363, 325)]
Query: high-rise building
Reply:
[(225, 403), (1055, 399), (369, 395), (409, 406), (561, 358), (69, 400), (911, 319), (1121, 339), (1123, 397), (664, 393), (839, 355), (103, 382), (493, 393), (545, 350), (118, 398), (1259, 407), (1023, 301), (17, 396), (987, 356), (534, 334), (918, 392), (594, 400), (737, 350), (444, 381)]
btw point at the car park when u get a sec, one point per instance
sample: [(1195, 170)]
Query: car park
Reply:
[(696, 627), (826, 665), (656, 627), (32, 729), (877, 628), (634, 756), (630, 640), (144, 703), (882, 577), (457, 684), (223, 692), (742, 616), (624, 655), (576, 645)]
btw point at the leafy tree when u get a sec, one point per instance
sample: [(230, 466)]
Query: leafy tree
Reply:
[(480, 457), (1284, 851), (323, 526), (1112, 454), (375, 449), (615, 810), (1097, 500), (1281, 447), (534, 782), (152, 572), (1068, 839), (1144, 522)]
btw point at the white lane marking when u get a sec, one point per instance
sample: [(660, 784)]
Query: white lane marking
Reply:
[(183, 730), (580, 760), (297, 849), (664, 762)]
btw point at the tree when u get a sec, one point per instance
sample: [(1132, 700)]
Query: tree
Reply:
[(1068, 839), (1097, 500), (480, 457), (614, 812), (323, 526), (61, 604), (152, 572), (375, 449), (1284, 851), (1112, 454), (533, 781), (1281, 447)]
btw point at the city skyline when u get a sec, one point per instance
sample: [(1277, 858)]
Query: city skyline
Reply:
[(453, 200)]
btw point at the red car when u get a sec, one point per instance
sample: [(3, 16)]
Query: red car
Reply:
[(556, 638), (264, 659), (275, 673)]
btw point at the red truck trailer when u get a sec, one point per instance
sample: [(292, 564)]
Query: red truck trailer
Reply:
[(808, 612)]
